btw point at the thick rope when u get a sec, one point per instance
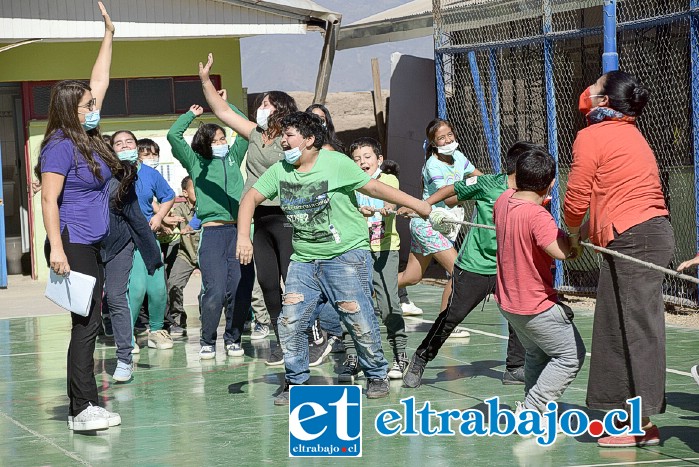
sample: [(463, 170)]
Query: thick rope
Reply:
[(616, 254)]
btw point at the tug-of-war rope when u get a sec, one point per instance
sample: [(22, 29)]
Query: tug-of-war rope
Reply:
[(443, 221)]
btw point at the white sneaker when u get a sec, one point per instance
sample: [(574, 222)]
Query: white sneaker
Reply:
[(459, 333), (207, 352), (234, 349), (136, 349), (113, 418), (90, 419), (160, 340), (695, 373), (409, 309)]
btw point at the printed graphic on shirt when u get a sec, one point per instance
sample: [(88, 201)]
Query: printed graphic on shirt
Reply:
[(307, 207)]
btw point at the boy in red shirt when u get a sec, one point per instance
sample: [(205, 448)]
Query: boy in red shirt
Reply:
[(527, 240)]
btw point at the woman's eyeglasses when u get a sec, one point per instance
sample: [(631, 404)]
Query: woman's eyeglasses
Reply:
[(90, 105)]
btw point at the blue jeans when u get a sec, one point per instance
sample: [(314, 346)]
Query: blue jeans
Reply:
[(345, 283), (225, 284)]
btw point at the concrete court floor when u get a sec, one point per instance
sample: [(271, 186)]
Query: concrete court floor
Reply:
[(181, 411)]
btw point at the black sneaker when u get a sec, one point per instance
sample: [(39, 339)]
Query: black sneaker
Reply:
[(399, 367), (107, 323), (350, 370), (377, 388), (177, 331), (515, 376), (283, 397), (413, 376), (317, 352), (276, 358), (336, 344)]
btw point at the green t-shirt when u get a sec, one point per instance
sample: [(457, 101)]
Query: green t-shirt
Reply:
[(477, 253), (320, 205)]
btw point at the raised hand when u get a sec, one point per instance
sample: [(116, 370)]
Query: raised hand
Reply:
[(204, 70), (108, 25), (196, 110)]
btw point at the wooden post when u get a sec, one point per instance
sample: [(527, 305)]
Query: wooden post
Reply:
[(326, 59), (379, 107)]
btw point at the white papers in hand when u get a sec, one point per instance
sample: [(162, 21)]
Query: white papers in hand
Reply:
[(72, 292)]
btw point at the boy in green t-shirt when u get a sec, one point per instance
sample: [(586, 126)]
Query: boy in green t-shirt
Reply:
[(331, 260), (385, 245), (474, 269)]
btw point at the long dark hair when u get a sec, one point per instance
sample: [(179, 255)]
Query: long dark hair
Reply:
[(332, 138), (127, 173), (284, 105), (201, 143), (63, 118), (430, 132), (625, 92)]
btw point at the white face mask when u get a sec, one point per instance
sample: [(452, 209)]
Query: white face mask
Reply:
[(151, 163), (262, 117), (448, 149)]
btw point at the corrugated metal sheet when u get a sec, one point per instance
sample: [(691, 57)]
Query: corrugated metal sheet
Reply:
[(156, 19)]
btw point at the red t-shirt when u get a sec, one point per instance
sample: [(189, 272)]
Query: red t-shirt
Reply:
[(524, 282)]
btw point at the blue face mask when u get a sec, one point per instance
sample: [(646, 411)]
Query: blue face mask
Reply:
[(219, 151), (129, 155), (292, 155), (92, 119)]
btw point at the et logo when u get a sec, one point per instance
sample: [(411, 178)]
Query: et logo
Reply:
[(325, 421)]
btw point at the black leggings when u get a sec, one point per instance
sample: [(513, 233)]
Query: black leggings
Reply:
[(82, 389), (272, 240), (468, 290)]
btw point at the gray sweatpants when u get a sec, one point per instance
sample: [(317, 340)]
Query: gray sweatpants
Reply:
[(554, 354)]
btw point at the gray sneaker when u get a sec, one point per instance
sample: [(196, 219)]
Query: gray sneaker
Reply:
[(515, 376), (377, 388), (413, 376), (259, 331), (283, 397)]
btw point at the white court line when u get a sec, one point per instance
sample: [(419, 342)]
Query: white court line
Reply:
[(669, 370), (664, 461), (43, 438)]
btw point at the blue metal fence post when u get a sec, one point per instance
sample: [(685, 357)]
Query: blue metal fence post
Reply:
[(610, 57), (552, 123), (439, 75), (494, 111), (480, 98), (3, 252), (694, 51)]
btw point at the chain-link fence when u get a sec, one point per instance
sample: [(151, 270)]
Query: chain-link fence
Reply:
[(510, 70)]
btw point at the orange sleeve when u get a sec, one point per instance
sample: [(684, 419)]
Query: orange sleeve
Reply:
[(582, 173)]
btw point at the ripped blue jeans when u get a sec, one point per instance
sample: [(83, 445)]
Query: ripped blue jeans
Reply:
[(345, 283)]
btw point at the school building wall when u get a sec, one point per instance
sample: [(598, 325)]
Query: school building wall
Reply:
[(130, 59)]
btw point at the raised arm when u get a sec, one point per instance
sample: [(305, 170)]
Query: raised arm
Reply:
[(99, 79), (219, 106)]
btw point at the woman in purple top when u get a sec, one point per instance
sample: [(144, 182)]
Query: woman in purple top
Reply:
[(75, 167)]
